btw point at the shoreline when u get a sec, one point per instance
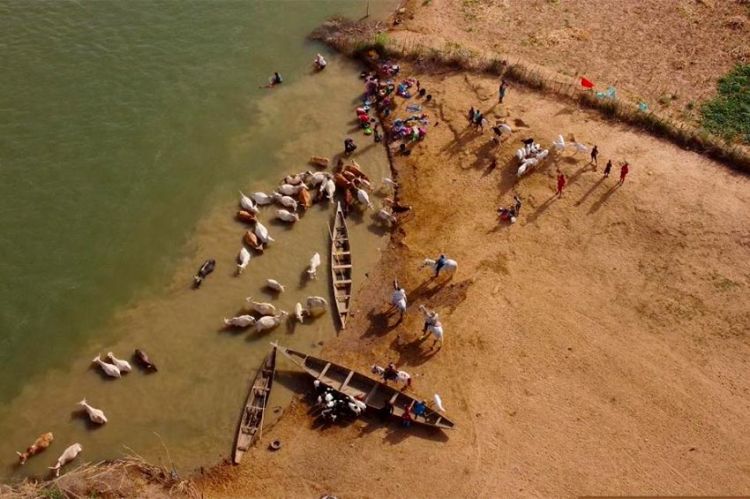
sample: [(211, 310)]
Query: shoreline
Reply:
[(407, 244)]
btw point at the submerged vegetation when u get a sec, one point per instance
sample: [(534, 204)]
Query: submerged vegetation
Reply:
[(729, 113)]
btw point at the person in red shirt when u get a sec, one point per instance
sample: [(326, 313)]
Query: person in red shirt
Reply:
[(624, 172), (560, 184)]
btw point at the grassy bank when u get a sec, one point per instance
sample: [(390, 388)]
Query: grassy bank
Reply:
[(729, 113), (370, 42), (127, 477)]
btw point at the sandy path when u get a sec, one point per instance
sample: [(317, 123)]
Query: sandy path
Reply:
[(598, 346)]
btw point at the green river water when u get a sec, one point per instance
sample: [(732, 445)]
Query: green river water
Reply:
[(127, 129)]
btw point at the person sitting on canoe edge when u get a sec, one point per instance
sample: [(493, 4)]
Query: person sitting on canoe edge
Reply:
[(420, 408), (385, 412), (390, 373), (406, 418)]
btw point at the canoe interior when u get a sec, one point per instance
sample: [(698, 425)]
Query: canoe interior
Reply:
[(341, 266), (372, 392), (253, 412)]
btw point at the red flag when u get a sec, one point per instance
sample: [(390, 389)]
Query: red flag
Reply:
[(586, 83)]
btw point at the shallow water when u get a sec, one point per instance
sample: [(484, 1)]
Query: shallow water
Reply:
[(129, 128)]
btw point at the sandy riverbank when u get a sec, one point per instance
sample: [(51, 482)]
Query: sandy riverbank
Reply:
[(598, 346), (669, 54)]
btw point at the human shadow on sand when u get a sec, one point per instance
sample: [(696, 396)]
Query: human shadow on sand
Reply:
[(414, 352), (382, 322), (603, 199), (541, 209)]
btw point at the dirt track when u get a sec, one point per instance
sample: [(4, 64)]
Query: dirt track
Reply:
[(598, 346)]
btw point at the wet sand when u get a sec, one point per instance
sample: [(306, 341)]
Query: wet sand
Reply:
[(598, 346), (186, 414)]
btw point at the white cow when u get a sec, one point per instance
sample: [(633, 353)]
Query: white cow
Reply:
[(316, 304), (109, 369), (241, 321), (262, 233), (275, 285), (312, 270), (242, 260), (248, 204), (95, 415), (67, 456), (262, 308), (285, 201), (122, 365), (269, 321), (299, 312), (286, 216)]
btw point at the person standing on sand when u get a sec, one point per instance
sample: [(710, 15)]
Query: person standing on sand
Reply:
[(624, 169), (560, 184), (472, 113), (502, 91), (595, 156), (398, 299), (608, 168)]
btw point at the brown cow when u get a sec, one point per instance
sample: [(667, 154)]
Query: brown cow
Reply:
[(252, 240), (355, 169), (341, 181), (304, 198), (41, 443), (246, 216)]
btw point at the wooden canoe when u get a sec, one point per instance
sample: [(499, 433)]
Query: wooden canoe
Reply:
[(250, 426), (341, 266), (372, 392)]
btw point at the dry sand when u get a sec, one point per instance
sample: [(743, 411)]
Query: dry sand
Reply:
[(598, 346), (647, 49)]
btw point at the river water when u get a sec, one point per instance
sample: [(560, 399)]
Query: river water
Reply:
[(127, 130)]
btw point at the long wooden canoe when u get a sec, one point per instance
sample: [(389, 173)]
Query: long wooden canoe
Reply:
[(250, 426), (341, 266), (372, 392)]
